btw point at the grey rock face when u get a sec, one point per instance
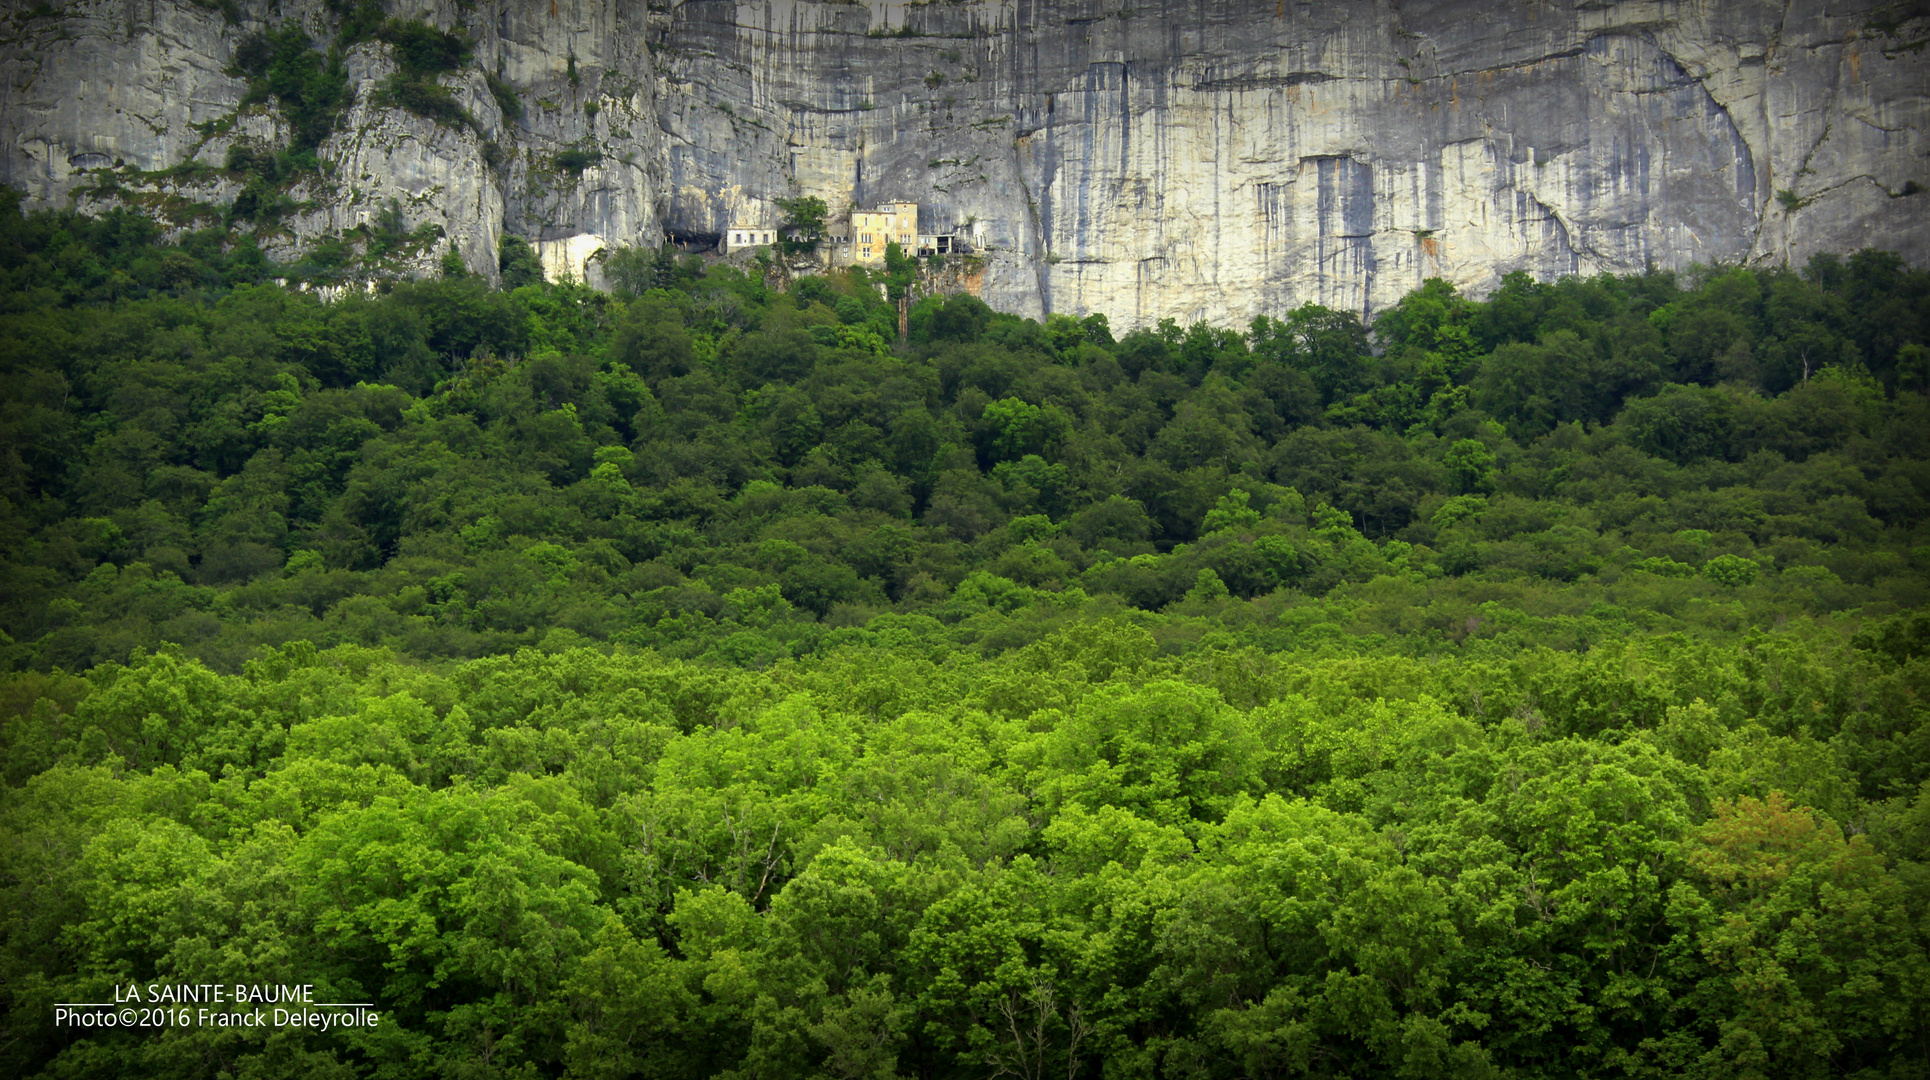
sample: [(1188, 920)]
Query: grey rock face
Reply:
[(102, 86), (433, 172), (1144, 158), (587, 83), (98, 84), (1221, 159)]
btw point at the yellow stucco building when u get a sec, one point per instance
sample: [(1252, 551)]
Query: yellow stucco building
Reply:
[(871, 230)]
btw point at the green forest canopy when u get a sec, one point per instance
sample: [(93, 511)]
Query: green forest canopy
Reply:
[(697, 680)]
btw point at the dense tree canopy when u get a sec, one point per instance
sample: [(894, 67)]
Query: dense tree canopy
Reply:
[(700, 680)]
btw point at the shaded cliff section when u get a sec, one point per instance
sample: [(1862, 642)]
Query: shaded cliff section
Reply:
[(1203, 159)]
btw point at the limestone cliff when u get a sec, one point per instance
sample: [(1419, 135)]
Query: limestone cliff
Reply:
[(1145, 158), (135, 91)]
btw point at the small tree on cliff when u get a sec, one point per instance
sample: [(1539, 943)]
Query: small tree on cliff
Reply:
[(803, 223), (901, 270)]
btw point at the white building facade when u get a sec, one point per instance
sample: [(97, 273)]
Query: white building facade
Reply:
[(741, 237)]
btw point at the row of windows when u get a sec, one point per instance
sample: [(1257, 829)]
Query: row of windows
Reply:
[(741, 238)]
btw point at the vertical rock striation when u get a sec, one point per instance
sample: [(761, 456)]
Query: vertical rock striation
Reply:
[(1219, 158), (1145, 158)]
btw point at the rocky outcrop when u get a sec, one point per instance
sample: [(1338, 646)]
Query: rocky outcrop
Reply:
[(143, 92), (1145, 158), (107, 87)]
